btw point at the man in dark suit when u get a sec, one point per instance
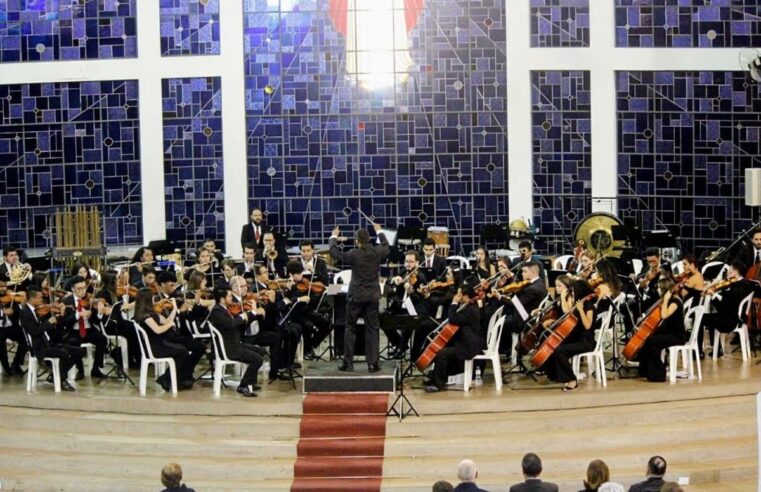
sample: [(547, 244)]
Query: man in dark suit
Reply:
[(364, 293), (231, 328), (253, 231), (467, 473), (656, 469), (315, 269), (532, 468), (78, 321), (10, 260), (750, 255), (42, 346), (726, 303), (433, 265), (466, 343), (10, 330), (272, 257), (247, 269), (518, 307)]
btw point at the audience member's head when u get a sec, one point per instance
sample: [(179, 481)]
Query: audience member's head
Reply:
[(656, 467), (597, 474), (171, 475), (531, 465), (671, 487), (467, 471), (442, 486)]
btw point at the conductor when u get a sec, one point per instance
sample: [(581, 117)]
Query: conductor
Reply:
[(364, 293)]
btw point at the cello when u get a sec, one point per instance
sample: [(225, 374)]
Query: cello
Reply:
[(558, 332)]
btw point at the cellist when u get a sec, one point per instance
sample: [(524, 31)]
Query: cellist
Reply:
[(670, 332), (580, 340)]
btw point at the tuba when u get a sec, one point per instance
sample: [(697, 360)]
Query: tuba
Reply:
[(596, 231)]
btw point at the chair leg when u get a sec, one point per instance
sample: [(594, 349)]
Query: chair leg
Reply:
[(601, 368), (697, 363), (218, 372), (125, 354), (497, 372), (716, 338), (673, 356), (144, 375), (467, 375), (173, 376), (56, 375), (31, 374), (744, 343)]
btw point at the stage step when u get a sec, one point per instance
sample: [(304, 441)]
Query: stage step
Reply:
[(324, 377)]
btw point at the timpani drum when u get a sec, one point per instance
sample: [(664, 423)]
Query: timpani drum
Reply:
[(440, 235)]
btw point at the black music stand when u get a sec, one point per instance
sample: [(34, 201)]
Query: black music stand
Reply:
[(495, 233), (401, 399)]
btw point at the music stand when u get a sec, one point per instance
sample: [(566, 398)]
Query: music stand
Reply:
[(495, 233), (401, 399), (161, 247)]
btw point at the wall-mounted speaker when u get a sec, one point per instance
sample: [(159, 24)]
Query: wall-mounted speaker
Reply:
[(753, 187)]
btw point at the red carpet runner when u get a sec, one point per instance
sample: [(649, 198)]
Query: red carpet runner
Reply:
[(341, 442)]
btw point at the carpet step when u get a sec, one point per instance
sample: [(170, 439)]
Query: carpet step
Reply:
[(336, 484), (343, 426), (334, 467), (341, 447), (329, 403)]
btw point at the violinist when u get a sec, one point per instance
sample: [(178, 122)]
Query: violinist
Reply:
[(155, 326), (580, 340), (519, 305), (574, 264), (10, 330), (315, 269), (205, 265), (440, 293), (143, 257), (247, 268), (216, 254), (670, 332), (274, 259), (91, 277), (692, 280), (78, 320), (306, 309), (725, 299), (483, 267), (587, 261), (526, 251), (147, 279), (44, 340), (111, 314), (231, 328), (198, 297), (432, 265), (647, 282), (466, 343), (608, 284), (228, 272)]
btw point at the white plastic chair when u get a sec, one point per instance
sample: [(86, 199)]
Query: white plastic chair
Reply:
[(561, 262), (688, 350), (119, 341), (717, 267), (221, 360), (596, 358), (741, 329), (89, 360), (677, 267), (148, 358), (464, 262), (493, 337), (31, 370)]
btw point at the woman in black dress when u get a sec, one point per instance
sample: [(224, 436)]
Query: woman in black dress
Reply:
[(670, 332)]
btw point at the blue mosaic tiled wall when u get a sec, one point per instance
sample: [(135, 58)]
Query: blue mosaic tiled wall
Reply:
[(688, 23), (430, 149), (67, 29), (193, 165), (74, 143), (559, 23), (561, 141), (189, 27), (685, 140)]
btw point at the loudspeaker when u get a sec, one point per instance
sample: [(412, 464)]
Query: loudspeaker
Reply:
[(753, 187)]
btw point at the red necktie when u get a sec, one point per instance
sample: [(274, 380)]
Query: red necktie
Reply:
[(256, 233), (82, 327)]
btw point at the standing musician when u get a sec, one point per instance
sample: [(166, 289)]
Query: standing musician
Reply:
[(670, 332), (483, 267), (518, 306), (306, 308), (253, 231), (315, 269), (274, 259), (247, 269), (78, 319), (580, 340), (726, 299), (466, 343), (432, 265), (290, 333), (111, 315), (364, 293), (10, 330), (143, 257), (155, 326), (44, 341)]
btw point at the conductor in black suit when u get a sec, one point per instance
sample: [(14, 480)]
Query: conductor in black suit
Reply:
[(532, 468), (364, 293)]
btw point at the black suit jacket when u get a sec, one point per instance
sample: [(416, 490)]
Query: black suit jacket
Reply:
[(436, 272), (731, 297), (69, 319), (247, 235), (231, 327), (467, 341), (534, 485), (468, 487), (320, 271), (365, 267), (280, 262), (532, 295), (652, 484), (36, 329)]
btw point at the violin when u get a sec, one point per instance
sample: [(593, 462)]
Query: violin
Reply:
[(650, 275), (162, 305), (13, 297), (277, 284), (56, 309), (130, 290), (434, 285), (513, 287), (305, 286), (722, 284)]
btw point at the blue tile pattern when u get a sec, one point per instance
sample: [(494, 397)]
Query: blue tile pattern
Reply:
[(189, 27), (559, 23), (684, 142), (561, 141), (688, 23), (69, 143), (193, 166), (429, 149), (67, 29)]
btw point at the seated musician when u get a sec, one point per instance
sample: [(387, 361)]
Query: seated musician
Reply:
[(200, 300), (205, 264), (180, 334), (315, 269), (647, 282), (306, 309), (256, 332), (246, 269), (587, 262), (10, 330), (78, 320), (143, 257), (581, 338), (11, 260), (274, 259), (726, 299), (45, 342), (465, 344), (518, 306), (228, 269), (526, 251), (147, 279), (216, 254), (231, 328), (692, 280), (751, 255), (111, 314), (483, 267), (670, 332), (156, 326), (432, 264), (83, 270), (608, 284), (561, 301), (439, 294)]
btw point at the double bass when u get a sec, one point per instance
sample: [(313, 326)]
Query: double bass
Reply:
[(559, 331)]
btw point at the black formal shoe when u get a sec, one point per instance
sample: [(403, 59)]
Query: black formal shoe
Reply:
[(309, 355), (432, 388), (243, 390), (295, 366), (16, 370), (165, 383), (50, 378), (65, 386), (96, 373), (7, 371), (80, 376), (344, 367), (373, 368), (278, 377), (186, 385)]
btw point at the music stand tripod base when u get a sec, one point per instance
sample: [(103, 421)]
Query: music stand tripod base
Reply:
[(401, 399)]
